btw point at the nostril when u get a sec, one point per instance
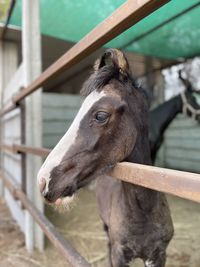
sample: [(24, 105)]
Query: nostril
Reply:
[(44, 193), (48, 196), (42, 185)]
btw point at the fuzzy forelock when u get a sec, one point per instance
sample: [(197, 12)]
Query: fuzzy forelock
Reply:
[(101, 77)]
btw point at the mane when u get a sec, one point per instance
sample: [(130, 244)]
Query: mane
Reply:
[(101, 77)]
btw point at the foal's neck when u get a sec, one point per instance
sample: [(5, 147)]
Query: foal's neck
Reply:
[(145, 197)]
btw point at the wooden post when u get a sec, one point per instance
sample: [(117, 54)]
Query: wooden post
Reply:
[(31, 51)]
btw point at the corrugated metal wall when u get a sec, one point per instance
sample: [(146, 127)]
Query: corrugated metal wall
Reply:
[(58, 111), (181, 149)]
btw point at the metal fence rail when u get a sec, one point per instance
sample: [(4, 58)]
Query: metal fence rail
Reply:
[(57, 239), (15, 148), (123, 18), (178, 183)]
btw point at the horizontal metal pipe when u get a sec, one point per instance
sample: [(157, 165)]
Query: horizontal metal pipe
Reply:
[(178, 183), (69, 253), (120, 20), (42, 152), (9, 148), (15, 148), (11, 107)]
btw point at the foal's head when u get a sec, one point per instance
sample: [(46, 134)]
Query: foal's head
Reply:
[(104, 132)]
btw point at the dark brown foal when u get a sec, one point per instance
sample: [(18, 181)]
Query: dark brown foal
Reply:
[(111, 126)]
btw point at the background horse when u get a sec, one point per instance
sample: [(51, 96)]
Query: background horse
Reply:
[(163, 115), (111, 126)]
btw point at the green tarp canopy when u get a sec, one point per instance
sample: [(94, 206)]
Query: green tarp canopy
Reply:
[(171, 32)]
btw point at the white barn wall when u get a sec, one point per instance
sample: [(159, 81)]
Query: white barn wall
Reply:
[(14, 84), (10, 126)]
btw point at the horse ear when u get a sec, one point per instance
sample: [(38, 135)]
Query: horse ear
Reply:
[(185, 81), (113, 57)]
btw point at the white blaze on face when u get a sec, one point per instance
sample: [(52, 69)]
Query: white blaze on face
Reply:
[(56, 155)]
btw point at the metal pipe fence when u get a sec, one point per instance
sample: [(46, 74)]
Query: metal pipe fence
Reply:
[(182, 184), (178, 183), (57, 239)]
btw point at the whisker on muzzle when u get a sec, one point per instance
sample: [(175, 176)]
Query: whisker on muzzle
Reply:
[(65, 204)]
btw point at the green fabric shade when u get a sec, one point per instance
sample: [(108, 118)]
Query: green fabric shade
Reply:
[(171, 32)]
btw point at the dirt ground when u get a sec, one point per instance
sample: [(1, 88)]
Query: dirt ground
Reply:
[(83, 228)]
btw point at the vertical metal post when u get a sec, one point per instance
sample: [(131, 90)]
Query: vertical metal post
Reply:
[(31, 52), (23, 141), (1, 101)]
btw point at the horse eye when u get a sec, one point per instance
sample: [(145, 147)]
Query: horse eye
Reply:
[(101, 116)]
